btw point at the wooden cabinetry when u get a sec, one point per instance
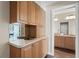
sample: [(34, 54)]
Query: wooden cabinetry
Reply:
[(13, 12), (44, 47), (31, 13), (40, 16), (18, 12), (65, 42), (28, 12), (15, 52), (40, 21), (69, 43), (26, 52), (35, 50), (59, 41), (23, 12)]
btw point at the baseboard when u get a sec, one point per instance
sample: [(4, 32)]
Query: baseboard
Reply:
[(50, 54)]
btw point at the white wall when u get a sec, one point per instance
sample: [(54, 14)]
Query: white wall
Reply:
[(72, 25), (4, 33), (77, 30), (48, 31)]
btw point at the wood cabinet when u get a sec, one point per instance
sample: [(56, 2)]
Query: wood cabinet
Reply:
[(28, 12), (40, 31), (59, 41), (31, 13), (18, 12), (65, 42), (35, 50), (40, 16), (40, 21), (44, 47), (15, 52), (14, 12), (23, 12), (26, 52), (69, 43)]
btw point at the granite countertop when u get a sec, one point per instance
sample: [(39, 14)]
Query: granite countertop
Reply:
[(20, 43)]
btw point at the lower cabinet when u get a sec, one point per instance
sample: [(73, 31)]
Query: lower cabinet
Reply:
[(65, 42), (69, 43), (15, 52), (35, 50), (58, 41), (44, 47), (26, 52)]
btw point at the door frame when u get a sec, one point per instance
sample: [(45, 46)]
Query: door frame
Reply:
[(76, 5)]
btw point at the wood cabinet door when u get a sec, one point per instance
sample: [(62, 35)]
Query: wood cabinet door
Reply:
[(69, 43), (38, 15), (26, 52), (40, 31), (59, 40), (15, 52), (23, 12), (13, 12), (37, 49), (42, 17), (44, 50), (31, 13)]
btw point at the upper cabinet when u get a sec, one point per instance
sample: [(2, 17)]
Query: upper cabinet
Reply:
[(18, 12), (31, 13), (27, 12), (23, 12), (13, 12), (40, 15)]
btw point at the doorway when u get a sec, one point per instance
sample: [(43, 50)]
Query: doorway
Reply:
[(64, 32)]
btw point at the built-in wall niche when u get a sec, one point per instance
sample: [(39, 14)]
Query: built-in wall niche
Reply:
[(22, 31), (30, 31)]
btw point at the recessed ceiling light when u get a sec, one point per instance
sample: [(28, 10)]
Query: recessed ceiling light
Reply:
[(70, 17), (55, 19)]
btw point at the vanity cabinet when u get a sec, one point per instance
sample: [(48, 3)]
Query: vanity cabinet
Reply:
[(59, 41), (65, 42), (69, 43)]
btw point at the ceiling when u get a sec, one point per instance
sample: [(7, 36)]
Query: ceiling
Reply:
[(54, 4)]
